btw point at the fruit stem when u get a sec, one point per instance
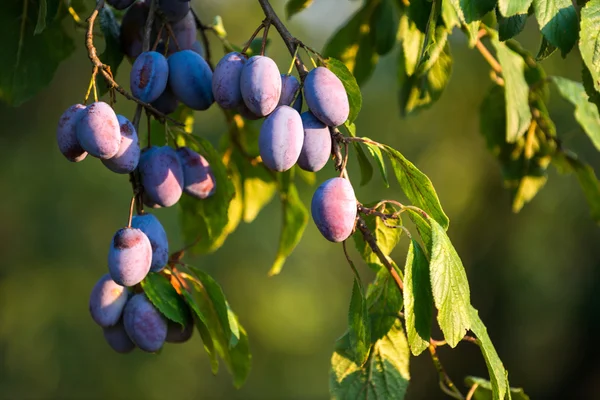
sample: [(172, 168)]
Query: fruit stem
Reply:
[(249, 42), (203, 28)]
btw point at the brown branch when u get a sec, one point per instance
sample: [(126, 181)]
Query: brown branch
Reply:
[(486, 53), (446, 383), (203, 28)]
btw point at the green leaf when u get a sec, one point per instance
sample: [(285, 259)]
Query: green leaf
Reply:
[(354, 45), (159, 291), (295, 218), (366, 169), (430, 39), (423, 227), (29, 60), (112, 54), (589, 86), (385, 25), (449, 15), (352, 89), (470, 13), (586, 113), (207, 219), (384, 300), (516, 91), (41, 19), (375, 152), (412, 41), (418, 300), (449, 286), (509, 27), (508, 8), (589, 43), (240, 357), (256, 46), (494, 364), (385, 375), (295, 6), (558, 22), (387, 238), (417, 186), (359, 325), (546, 50), (484, 389)]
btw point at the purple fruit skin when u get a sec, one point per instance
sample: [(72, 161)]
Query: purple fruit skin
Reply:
[(316, 148), (174, 10), (177, 334), (161, 176), (333, 209), (289, 87), (226, 80), (129, 257), (190, 78), (117, 338), (281, 137), (198, 178), (155, 232), (120, 4), (166, 103), (243, 110), (185, 33), (149, 76), (261, 85), (144, 324), (98, 131), (326, 97), (132, 29), (66, 134), (107, 301), (128, 156)]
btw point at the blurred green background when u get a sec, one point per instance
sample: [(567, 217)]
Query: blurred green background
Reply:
[(535, 276)]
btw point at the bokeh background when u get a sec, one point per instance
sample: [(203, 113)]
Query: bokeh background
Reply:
[(535, 276)]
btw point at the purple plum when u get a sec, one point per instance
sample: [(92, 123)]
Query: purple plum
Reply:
[(226, 80), (107, 301), (66, 134), (190, 78), (289, 87), (117, 338), (144, 324), (198, 178), (98, 131), (167, 102), (149, 76), (174, 10), (152, 227), (128, 156), (178, 334), (132, 29), (281, 137), (333, 209), (161, 175), (316, 148), (260, 84), (326, 96), (129, 257)]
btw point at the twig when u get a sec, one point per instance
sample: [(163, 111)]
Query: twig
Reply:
[(472, 391), (487, 55), (446, 383), (203, 28)]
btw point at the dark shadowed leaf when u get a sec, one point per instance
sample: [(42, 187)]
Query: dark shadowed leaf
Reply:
[(589, 86), (509, 27), (384, 299), (112, 54), (366, 169), (295, 6), (377, 155), (589, 44), (359, 325), (546, 50), (384, 23), (159, 291), (558, 22)]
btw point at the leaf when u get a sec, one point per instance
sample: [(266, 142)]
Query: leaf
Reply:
[(29, 61), (384, 300), (586, 113), (418, 300), (359, 325), (449, 286), (366, 169), (508, 8), (354, 45), (430, 39), (470, 13), (256, 46), (240, 357), (385, 375), (412, 41), (352, 89), (558, 22), (449, 15), (112, 54), (589, 86), (375, 152), (484, 389), (423, 227), (494, 364), (516, 91), (207, 219), (293, 7), (41, 19), (417, 186), (295, 218), (509, 27), (159, 291), (385, 25), (589, 43)]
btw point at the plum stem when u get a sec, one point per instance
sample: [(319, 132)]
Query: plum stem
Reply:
[(203, 28)]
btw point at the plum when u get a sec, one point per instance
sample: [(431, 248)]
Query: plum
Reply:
[(280, 139), (161, 176), (174, 10), (245, 112), (226, 80), (260, 84), (326, 96), (132, 29), (120, 4), (66, 134), (152, 228), (190, 78), (178, 334), (289, 87), (149, 76), (128, 156), (117, 338), (129, 256), (167, 102), (316, 148), (333, 209), (107, 301), (198, 178), (98, 131), (144, 324), (185, 33)]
